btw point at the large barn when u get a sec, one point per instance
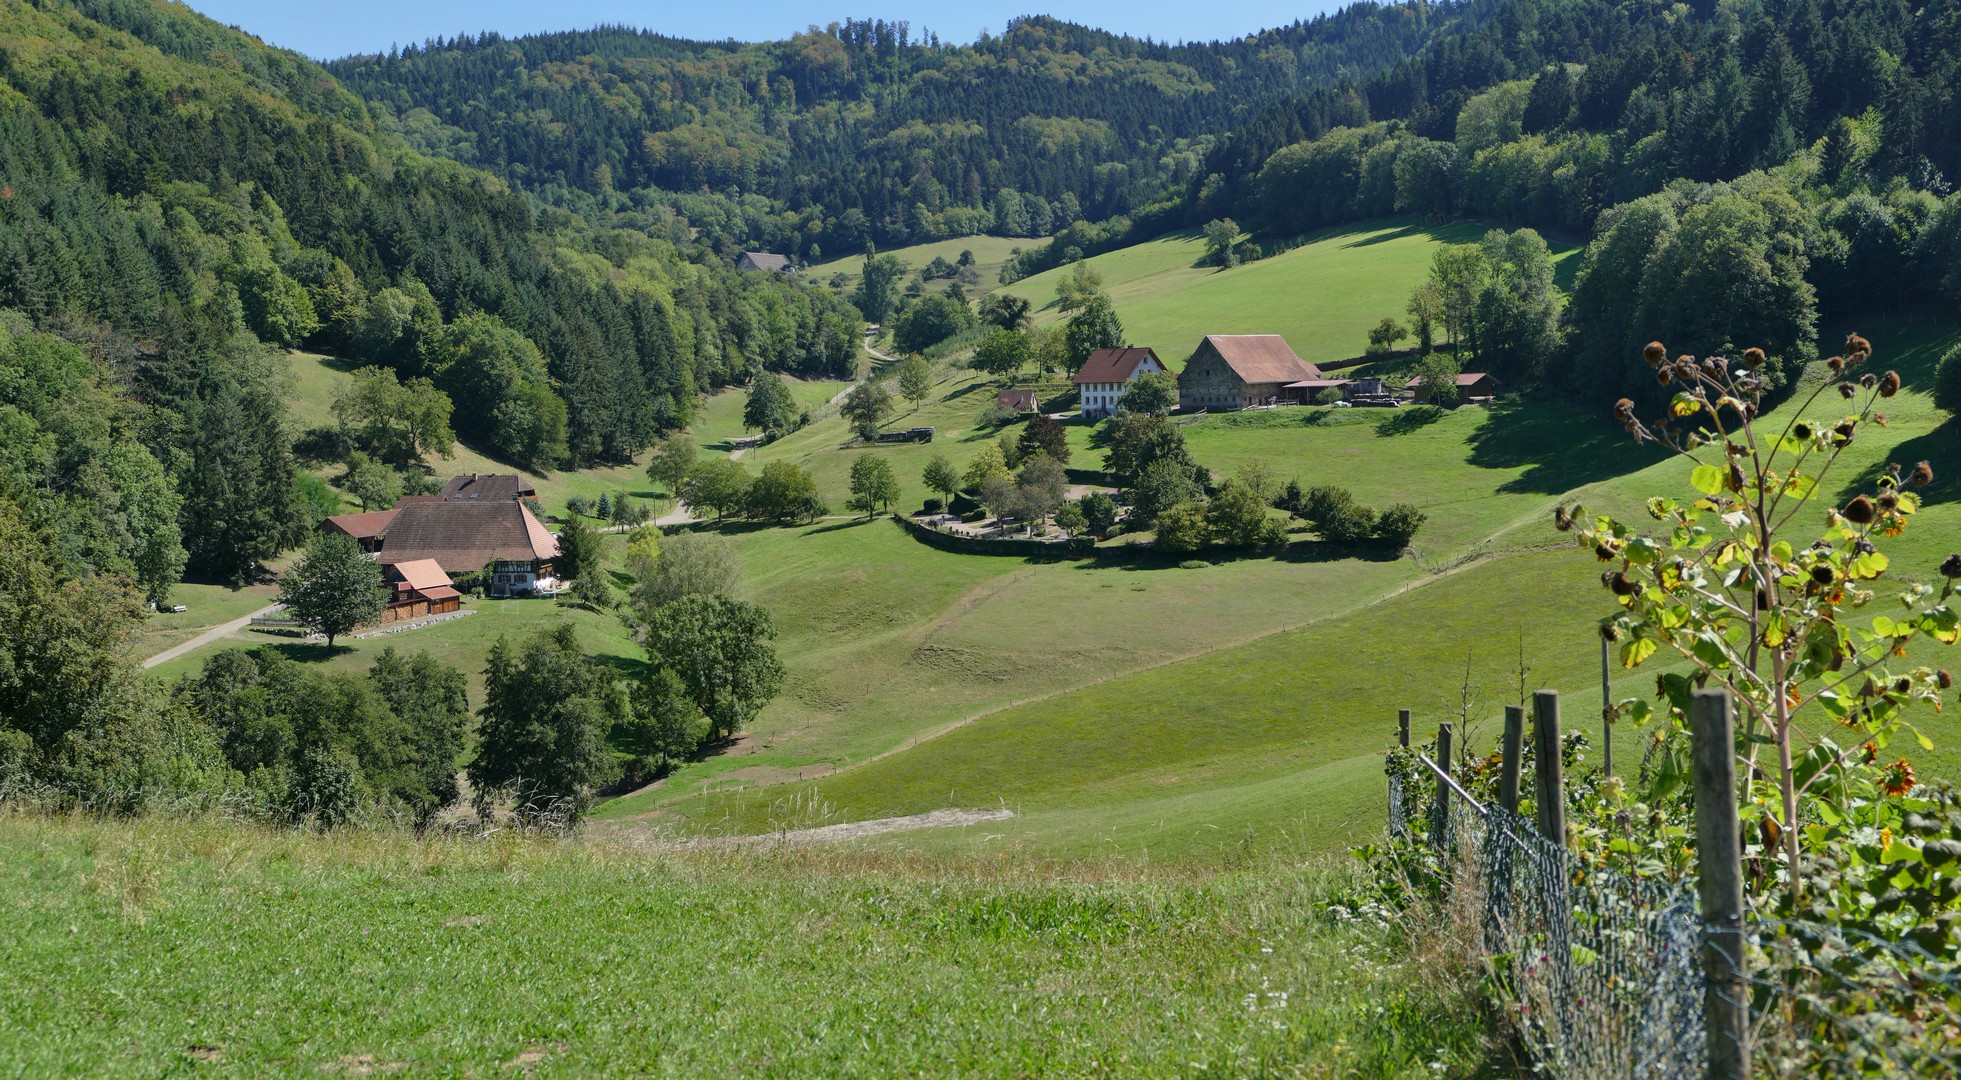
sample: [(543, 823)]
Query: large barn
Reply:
[(1239, 371)]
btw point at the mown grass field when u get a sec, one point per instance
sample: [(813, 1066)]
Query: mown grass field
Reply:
[(159, 947), (1322, 296)]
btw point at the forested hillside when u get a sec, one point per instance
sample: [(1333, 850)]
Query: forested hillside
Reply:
[(177, 185), (862, 131)]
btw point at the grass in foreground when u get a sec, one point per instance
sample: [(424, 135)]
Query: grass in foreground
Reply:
[(154, 946)]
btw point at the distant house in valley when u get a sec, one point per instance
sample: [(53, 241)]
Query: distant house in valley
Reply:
[(488, 486), (763, 260), (1018, 400), (416, 588), (366, 528), (1108, 373), (1238, 371), (1471, 386)]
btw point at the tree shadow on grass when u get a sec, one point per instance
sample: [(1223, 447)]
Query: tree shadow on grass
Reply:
[(1559, 447), (835, 526), (1405, 421)]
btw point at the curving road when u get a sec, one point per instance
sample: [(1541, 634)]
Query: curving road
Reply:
[(206, 638)]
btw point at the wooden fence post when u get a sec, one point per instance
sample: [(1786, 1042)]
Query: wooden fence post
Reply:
[(1402, 726), (1719, 865), (1551, 786), (1514, 749), (1440, 809)]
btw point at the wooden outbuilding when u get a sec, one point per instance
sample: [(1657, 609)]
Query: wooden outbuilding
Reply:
[(1023, 400), (417, 588), (1472, 386)]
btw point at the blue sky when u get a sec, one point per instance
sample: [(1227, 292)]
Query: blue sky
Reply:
[(340, 27)]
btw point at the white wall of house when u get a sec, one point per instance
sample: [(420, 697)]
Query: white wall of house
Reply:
[(1101, 399)]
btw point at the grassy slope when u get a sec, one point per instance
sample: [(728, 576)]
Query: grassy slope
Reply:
[(989, 253), (1322, 296), (153, 947), (1283, 735)]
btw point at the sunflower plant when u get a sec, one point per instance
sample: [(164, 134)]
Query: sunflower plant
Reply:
[(1772, 590)]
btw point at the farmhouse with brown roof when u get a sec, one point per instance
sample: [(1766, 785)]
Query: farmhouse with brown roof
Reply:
[(1237, 371), (500, 537), (1107, 374)]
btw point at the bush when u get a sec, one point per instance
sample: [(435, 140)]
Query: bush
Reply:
[(1334, 514), (1397, 525), (1193, 564), (998, 416), (1947, 382), (1182, 528), (932, 506), (578, 505)]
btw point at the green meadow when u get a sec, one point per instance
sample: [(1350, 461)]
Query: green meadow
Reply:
[(210, 948), (1144, 710), (1322, 296)]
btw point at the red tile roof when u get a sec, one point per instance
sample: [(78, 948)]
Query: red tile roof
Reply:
[(362, 526), (1262, 358), (1114, 365)]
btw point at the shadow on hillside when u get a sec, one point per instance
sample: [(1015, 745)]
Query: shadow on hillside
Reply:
[(1405, 421), (628, 667), (836, 526), (1558, 447), (1940, 446), (964, 391)]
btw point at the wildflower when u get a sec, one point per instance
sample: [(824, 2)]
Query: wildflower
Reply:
[(1922, 475), (1889, 384), (1654, 354), (1823, 574), (1951, 566), (1803, 431), (1753, 358), (1622, 585), (1773, 833), (1562, 519), (1869, 380), (1664, 376), (1898, 778), (1605, 550), (1836, 363), (1735, 477), (1846, 390), (1872, 751), (1857, 348), (1944, 679), (1859, 511), (1842, 434), (1624, 409), (1903, 685), (1609, 632), (1889, 502)]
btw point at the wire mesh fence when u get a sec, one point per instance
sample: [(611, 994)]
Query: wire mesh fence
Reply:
[(1600, 972), (1603, 973)]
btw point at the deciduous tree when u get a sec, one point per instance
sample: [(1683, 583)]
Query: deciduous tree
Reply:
[(334, 587), (719, 649), (542, 741)]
